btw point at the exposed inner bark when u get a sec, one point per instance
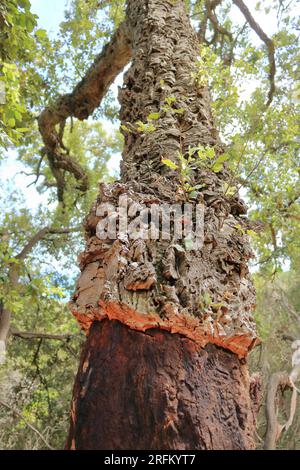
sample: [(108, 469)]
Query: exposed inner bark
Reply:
[(161, 390), (158, 391)]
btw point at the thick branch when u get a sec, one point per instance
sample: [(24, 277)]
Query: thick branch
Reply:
[(210, 11), (32, 335), (40, 235), (81, 103), (278, 380), (268, 42), (5, 317), (203, 27), (287, 337)]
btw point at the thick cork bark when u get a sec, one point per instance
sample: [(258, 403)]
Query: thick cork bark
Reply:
[(158, 287)]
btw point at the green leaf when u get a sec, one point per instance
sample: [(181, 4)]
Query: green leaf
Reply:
[(24, 3), (18, 115), (207, 299), (179, 248), (29, 25), (11, 122), (210, 152), (222, 158), (150, 128), (178, 111), (189, 244), (217, 167), (230, 190), (169, 163), (145, 127), (153, 116), (125, 128), (170, 100), (239, 228), (22, 129), (217, 306), (41, 33), (193, 150), (251, 233)]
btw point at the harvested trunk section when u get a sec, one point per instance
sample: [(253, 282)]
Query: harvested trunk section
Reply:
[(158, 391)]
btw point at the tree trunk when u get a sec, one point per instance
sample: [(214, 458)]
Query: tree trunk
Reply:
[(168, 327), (156, 390)]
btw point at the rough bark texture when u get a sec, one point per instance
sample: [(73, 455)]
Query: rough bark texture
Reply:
[(145, 284), (151, 285), (158, 391)]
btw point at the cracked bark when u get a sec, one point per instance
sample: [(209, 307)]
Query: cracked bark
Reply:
[(173, 387)]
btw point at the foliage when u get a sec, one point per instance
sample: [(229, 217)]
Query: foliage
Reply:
[(17, 47), (262, 143), (278, 320), (196, 157), (38, 377)]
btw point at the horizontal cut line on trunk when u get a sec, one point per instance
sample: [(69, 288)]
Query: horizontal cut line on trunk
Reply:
[(190, 327)]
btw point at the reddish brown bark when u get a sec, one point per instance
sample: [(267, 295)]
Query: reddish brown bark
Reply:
[(158, 391)]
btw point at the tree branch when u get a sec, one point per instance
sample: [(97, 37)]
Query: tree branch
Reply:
[(5, 314), (210, 9), (268, 42), (33, 428), (32, 335), (5, 318), (81, 103), (202, 28), (281, 380), (274, 428), (38, 169), (40, 235), (287, 337)]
